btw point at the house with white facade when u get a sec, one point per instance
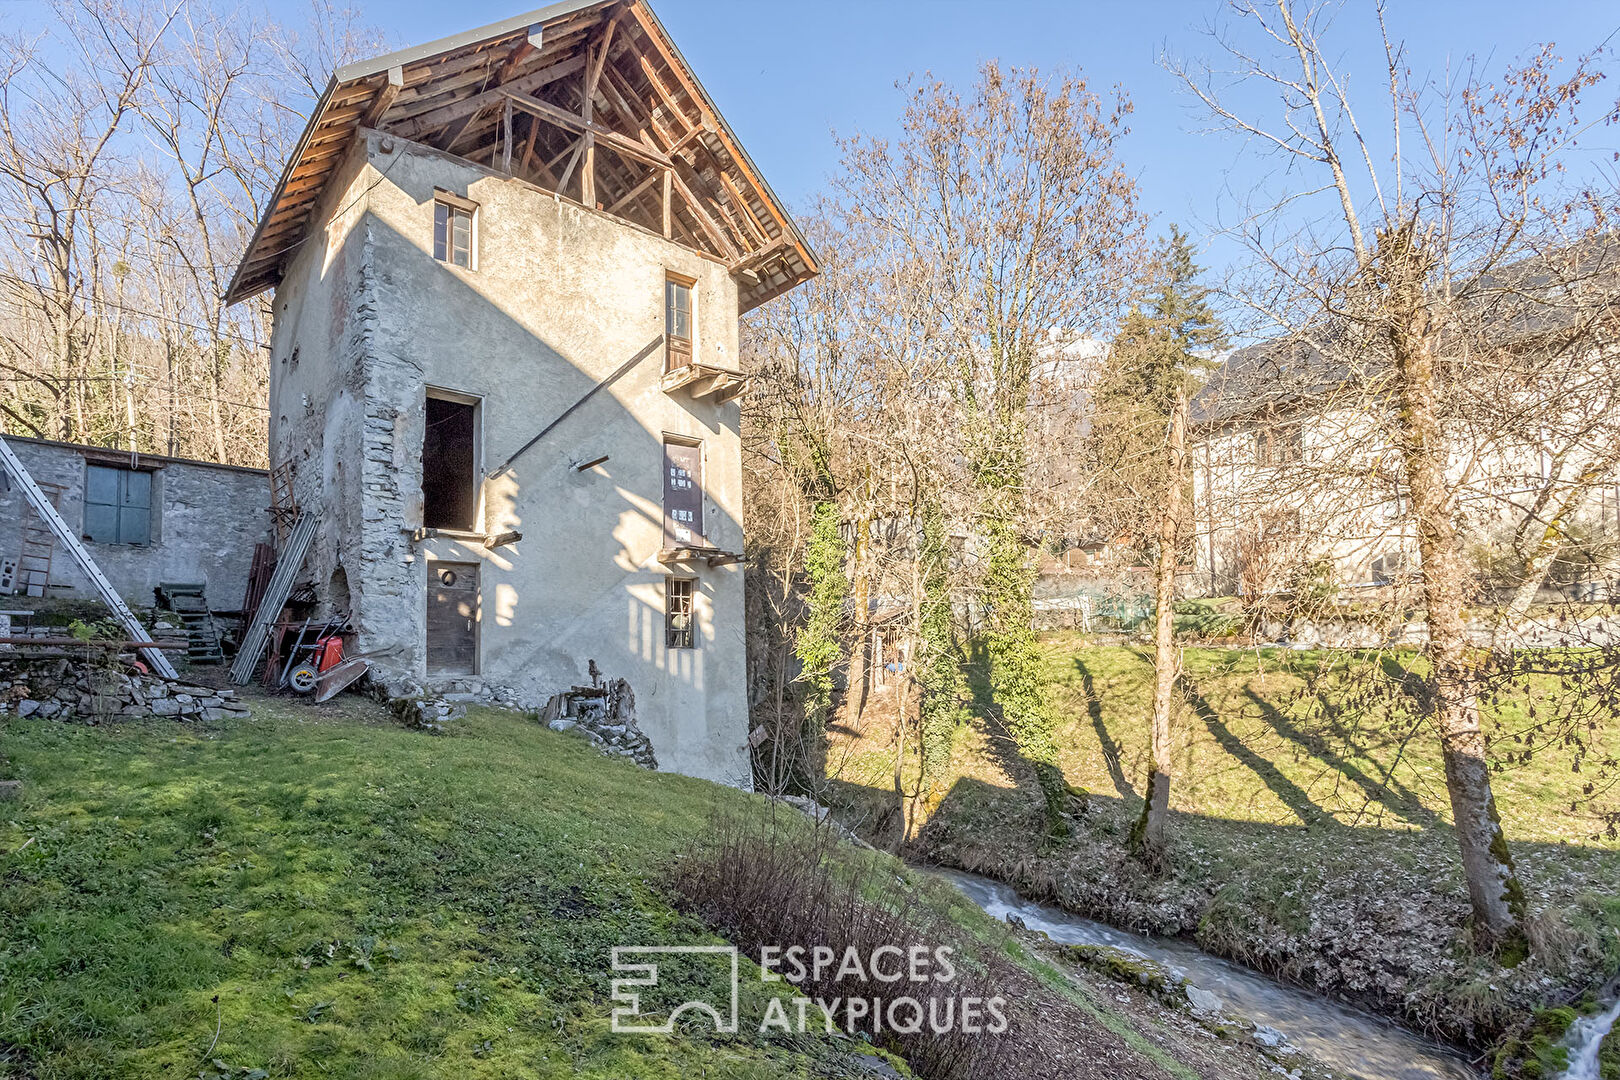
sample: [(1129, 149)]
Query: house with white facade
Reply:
[(507, 269)]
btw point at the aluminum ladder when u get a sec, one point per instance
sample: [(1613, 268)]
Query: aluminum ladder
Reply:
[(47, 511)]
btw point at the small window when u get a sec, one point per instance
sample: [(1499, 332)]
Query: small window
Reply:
[(677, 322), (117, 505), (1278, 444), (678, 632), (453, 232)]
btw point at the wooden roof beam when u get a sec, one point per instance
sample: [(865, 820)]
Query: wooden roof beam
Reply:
[(636, 192), (695, 208), (385, 97), (476, 103), (563, 118)]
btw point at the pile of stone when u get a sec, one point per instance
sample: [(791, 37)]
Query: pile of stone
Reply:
[(65, 688), (427, 713), (606, 715)]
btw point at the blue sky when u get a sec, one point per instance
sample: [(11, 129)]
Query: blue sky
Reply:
[(788, 76)]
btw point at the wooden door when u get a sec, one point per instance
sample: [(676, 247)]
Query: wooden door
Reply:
[(683, 496), (452, 619)]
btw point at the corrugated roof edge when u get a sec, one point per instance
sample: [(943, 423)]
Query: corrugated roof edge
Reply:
[(361, 69)]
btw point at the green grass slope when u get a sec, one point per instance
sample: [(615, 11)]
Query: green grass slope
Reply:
[(1318, 848), (323, 893)]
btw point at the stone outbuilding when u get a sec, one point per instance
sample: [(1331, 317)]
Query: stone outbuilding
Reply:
[(144, 518), (508, 268)]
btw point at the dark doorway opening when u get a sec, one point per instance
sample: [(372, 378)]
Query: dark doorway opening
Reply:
[(450, 465)]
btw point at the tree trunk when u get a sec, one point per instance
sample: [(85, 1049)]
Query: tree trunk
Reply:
[(860, 660), (1147, 840), (1493, 886)]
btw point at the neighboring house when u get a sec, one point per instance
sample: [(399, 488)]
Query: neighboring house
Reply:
[(1296, 484), (508, 269), (144, 519)]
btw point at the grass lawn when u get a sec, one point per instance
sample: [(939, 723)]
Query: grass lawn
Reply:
[(1318, 848), (324, 893)]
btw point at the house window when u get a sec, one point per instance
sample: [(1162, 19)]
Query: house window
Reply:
[(683, 494), (450, 462), (1278, 444), (678, 632), (117, 505), (454, 235), (677, 321)]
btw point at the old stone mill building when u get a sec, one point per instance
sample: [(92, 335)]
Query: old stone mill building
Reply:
[(508, 268)]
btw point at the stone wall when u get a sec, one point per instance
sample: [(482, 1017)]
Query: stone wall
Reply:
[(58, 685), (205, 520)]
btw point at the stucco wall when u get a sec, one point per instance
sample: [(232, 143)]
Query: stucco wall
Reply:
[(561, 297), (205, 520)]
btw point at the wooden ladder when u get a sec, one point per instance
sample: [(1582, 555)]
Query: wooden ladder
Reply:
[(283, 510), (38, 547)]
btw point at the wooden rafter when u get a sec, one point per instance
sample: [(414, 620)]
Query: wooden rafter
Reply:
[(506, 98), (477, 103), (563, 118), (385, 97)]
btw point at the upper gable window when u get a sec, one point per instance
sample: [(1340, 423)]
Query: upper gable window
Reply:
[(677, 321), (455, 236)]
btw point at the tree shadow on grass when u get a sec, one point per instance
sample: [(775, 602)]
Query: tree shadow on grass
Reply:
[(1018, 767), (1389, 793), (1110, 748), (1291, 794)]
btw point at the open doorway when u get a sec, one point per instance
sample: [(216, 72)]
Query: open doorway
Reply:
[(450, 462)]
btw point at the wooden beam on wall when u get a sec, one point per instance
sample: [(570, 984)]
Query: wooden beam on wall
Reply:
[(385, 97)]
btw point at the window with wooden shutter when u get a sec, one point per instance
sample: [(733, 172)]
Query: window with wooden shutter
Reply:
[(117, 505), (677, 322)]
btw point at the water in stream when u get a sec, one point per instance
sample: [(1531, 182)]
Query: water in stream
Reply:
[(1348, 1040), (1585, 1039)]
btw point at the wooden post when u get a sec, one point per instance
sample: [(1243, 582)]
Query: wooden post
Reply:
[(587, 172), (669, 232), (506, 137)]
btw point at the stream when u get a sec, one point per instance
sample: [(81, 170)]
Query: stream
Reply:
[(1346, 1039), (1585, 1039)]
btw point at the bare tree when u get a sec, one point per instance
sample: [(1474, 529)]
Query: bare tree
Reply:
[(1457, 287)]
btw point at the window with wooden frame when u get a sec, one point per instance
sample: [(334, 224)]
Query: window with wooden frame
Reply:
[(677, 321), (455, 230), (679, 631)]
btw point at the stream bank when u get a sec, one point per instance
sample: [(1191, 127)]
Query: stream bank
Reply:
[(1347, 1039)]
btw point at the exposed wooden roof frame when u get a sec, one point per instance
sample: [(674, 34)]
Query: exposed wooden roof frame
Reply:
[(711, 196)]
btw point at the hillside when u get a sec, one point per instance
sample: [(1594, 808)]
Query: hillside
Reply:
[(1317, 847), (325, 893)]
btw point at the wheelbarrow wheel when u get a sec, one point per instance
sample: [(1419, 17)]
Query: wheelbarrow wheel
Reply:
[(303, 678)]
